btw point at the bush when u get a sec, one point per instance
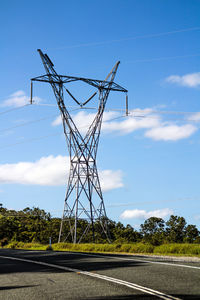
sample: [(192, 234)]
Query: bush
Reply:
[(126, 248), (142, 248), (4, 242), (13, 245)]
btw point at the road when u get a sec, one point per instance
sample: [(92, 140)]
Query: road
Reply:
[(66, 275)]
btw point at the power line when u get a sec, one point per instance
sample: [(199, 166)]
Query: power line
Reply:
[(12, 109), (153, 35), (158, 118), (30, 140), (25, 216), (58, 133), (131, 115), (72, 107), (28, 123), (160, 58), (52, 212), (46, 136), (152, 202), (130, 109), (31, 122)]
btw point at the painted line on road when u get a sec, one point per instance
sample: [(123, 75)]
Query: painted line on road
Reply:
[(95, 275), (136, 259)]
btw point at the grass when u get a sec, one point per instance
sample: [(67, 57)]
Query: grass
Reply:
[(180, 249), (134, 248)]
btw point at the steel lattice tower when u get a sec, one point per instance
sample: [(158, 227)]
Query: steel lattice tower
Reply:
[(84, 199)]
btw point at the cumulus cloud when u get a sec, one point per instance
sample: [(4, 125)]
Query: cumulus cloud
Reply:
[(136, 121), (190, 80), (57, 121), (18, 99), (48, 170), (142, 119), (194, 117), (51, 171), (170, 132), (83, 119), (143, 214), (111, 179), (139, 119)]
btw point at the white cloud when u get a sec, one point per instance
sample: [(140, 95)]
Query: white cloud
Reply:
[(127, 125), (18, 99), (138, 119), (189, 80), (57, 121), (135, 122), (46, 171), (143, 214), (194, 117), (111, 179), (83, 119), (170, 132), (51, 171)]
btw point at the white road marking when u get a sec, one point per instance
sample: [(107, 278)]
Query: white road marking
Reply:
[(136, 259), (103, 277)]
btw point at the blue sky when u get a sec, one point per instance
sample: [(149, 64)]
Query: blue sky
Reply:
[(148, 162)]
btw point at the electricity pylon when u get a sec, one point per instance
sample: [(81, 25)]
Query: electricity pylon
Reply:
[(84, 199)]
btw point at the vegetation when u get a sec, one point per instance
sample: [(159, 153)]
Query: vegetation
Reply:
[(174, 249), (32, 228)]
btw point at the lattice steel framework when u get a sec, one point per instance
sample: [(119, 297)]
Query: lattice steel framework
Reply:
[(84, 199)]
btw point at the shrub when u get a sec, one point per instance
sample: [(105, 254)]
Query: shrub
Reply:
[(13, 245), (126, 248), (142, 248), (4, 242)]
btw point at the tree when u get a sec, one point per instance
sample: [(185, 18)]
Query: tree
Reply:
[(34, 224), (176, 229), (153, 230), (131, 235), (191, 234)]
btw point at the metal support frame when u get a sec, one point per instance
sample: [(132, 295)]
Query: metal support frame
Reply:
[(84, 199)]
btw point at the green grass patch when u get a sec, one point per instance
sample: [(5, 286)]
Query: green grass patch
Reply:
[(134, 248), (180, 249), (26, 246), (117, 248)]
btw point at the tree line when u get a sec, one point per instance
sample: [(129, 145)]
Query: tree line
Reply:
[(36, 225)]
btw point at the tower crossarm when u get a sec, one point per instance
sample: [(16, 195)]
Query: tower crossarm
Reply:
[(99, 84)]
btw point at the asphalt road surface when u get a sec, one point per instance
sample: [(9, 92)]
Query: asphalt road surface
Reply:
[(66, 275)]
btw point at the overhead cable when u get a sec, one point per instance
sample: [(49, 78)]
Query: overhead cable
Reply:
[(160, 58), (12, 109), (32, 122), (131, 110), (115, 118), (46, 136), (28, 123), (152, 35)]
